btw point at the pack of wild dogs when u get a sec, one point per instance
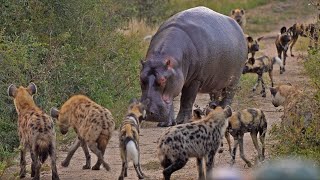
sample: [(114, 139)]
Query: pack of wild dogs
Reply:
[(200, 138)]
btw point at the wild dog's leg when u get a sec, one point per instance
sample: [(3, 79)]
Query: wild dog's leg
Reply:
[(262, 138), (241, 151), (271, 77), (137, 166), (176, 165), (72, 150), (140, 165), (188, 96), (87, 155), (234, 151), (253, 135), (263, 91), (94, 148), (279, 50), (200, 169), (33, 163), (124, 165), (284, 59), (23, 161), (257, 83), (52, 153), (292, 44), (227, 135), (210, 162)]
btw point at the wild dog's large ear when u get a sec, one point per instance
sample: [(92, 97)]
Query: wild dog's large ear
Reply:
[(54, 112), (32, 89), (283, 30), (242, 11), (227, 111), (12, 90), (251, 61), (169, 62), (273, 91), (197, 113), (249, 39), (259, 39), (232, 12)]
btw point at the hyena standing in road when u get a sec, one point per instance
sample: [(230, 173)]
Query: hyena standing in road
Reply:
[(129, 138), (36, 131), (282, 43), (93, 124), (240, 16), (199, 139)]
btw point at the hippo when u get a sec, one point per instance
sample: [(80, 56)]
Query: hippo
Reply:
[(194, 51)]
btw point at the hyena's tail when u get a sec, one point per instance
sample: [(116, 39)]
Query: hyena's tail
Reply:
[(277, 60), (42, 148)]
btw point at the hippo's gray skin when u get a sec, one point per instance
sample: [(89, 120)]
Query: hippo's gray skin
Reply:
[(196, 50)]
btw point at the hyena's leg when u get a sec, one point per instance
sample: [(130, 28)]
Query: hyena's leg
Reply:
[(72, 150), (242, 152), (253, 135), (210, 162), (33, 163), (85, 149), (176, 165), (291, 46), (23, 162), (52, 153), (165, 162), (37, 166), (102, 145), (200, 169), (94, 148), (234, 151)]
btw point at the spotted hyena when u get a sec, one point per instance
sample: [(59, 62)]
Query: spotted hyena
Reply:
[(36, 131), (240, 16), (93, 124), (248, 120), (199, 139)]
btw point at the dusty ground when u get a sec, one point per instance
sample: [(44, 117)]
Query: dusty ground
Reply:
[(150, 164)]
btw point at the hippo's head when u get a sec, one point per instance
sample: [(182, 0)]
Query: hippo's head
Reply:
[(161, 80)]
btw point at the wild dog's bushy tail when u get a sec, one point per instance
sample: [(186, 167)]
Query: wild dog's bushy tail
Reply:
[(277, 60), (263, 125), (42, 147)]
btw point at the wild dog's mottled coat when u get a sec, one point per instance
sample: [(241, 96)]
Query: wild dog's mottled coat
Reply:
[(93, 124), (36, 131), (253, 45), (248, 120), (200, 139), (282, 43), (296, 30), (259, 66), (312, 31), (129, 138), (297, 105), (240, 16)]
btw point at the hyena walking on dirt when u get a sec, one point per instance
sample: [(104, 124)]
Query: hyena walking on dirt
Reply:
[(129, 138), (199, 139), (36, 131), (93, 124)]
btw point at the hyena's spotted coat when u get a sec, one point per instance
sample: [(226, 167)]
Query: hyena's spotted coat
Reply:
[(93, 124), (240, 16), (199, 139), (36, 131)]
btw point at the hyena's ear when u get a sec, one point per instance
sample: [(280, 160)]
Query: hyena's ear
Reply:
[(54, 112), (283, 30), (32, 89), (273, 91), (197, 113), (232, 12), (227, 111), (249, 39), (12, 90), (259, 39), (242, 11)]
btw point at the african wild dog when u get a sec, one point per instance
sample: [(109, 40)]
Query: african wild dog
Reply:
[(297, 106), (93, 124), (200, 139), (259, 66), (129, 138), (296, 30), (312, 31), (253, 45), (282, 43), (240, 16), (248, 120), (36, 131)]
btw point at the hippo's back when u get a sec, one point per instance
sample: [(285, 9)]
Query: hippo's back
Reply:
[(213, 43)]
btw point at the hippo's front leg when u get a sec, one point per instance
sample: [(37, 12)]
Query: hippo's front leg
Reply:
[(228, 94), (188, 96), (171, 121)]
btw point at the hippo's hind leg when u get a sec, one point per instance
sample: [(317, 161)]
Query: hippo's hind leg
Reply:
[(188, 96)]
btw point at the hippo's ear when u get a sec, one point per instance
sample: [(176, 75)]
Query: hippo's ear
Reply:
[(169, 62), (283, 30), (12, 90), (54, 112), (273, 91), (32, 89), (227, 111), (232, 12), (260, 38), (249, 39), (242, 11)]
